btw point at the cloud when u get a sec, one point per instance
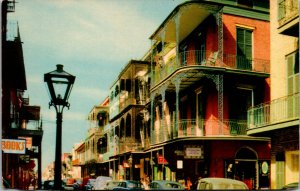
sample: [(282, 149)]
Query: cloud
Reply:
[(90, 93), (96, 29)]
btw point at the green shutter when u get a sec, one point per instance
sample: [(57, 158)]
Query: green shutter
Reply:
[(248, 44), (244, 48), (281, 9)]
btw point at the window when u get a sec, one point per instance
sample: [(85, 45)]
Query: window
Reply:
[(243, 99), (116, 90), (244, 48), (292, 61)]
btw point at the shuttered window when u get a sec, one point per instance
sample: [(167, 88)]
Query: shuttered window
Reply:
[(293, 73), (292, 61), (244, 48), (281, 9)]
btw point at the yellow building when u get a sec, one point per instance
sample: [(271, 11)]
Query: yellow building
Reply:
[(279, 119)]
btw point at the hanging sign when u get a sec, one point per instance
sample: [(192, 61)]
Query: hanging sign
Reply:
[(161, 160), (28, 141), (13, 146)]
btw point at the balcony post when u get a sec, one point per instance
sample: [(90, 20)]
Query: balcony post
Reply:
[(177, 82), (177, 23), (219, 22), (163, 126), (152, 118)]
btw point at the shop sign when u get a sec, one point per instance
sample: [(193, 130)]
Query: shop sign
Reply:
[(265, 167), (161, 160), (193, 152), (179, 164), (13, 146), (126, 164), (28, 141)]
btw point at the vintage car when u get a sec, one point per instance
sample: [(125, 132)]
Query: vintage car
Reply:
[(221, 184), (165, 185)]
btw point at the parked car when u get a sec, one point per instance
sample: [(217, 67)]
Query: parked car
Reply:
[(69, 184), (77, 183), (221, 184), (291, 186), (90, 184), (111, 184), (48, 185), (165, 185), (101, 182), (129, 185)]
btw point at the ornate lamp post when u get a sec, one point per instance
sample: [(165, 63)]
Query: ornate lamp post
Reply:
[(59, 85)]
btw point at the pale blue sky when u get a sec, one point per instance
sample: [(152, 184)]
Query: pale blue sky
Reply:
[(94, 40)]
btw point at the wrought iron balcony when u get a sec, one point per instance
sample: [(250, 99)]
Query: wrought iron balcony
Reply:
[(277, 111), (129, 144), (165, 131), (208, 59), (126, 99)]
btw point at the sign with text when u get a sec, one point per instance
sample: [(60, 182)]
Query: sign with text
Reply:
[(193, 152), (13, 146), (28, 141), (161, 160)]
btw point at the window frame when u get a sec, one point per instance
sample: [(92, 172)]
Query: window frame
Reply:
[(244, 57)]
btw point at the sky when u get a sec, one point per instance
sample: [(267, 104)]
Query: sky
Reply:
[(94, 40)]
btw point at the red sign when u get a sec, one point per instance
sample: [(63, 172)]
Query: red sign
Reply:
[(162, 160)]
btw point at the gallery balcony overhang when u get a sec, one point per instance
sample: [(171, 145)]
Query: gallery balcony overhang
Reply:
[(183, 20), (288, 18)]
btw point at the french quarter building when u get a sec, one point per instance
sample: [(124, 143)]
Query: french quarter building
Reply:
[(279, 118), (182, 110), (21, 124)]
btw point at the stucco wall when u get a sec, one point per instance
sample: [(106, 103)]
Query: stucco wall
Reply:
[(281, 45)]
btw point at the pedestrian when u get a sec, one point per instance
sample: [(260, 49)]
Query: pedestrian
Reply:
[(196, 183), (189, 183)]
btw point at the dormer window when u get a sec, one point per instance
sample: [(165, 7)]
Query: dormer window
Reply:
[(245, 3)]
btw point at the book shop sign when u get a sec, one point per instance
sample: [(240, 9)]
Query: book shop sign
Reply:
[(14, 146)]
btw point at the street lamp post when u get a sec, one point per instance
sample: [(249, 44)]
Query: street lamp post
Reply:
[(59, 85)]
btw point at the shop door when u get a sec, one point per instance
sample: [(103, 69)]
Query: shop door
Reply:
[(246, 172)]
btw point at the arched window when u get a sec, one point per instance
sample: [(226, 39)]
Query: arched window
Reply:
[(117, 90), (117, 131), (122, 127), (128, 125), (139, 127), (102, 145)]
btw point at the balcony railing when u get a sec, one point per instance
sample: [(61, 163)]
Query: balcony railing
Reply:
[(126, 99), (165, 131), (129, 144), (287, 10), (279, 110), (210, 59)]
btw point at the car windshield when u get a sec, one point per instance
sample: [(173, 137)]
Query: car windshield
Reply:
[(172, 185), (133, 185)]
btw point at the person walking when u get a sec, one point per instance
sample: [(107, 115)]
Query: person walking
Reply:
[(189, 183)]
